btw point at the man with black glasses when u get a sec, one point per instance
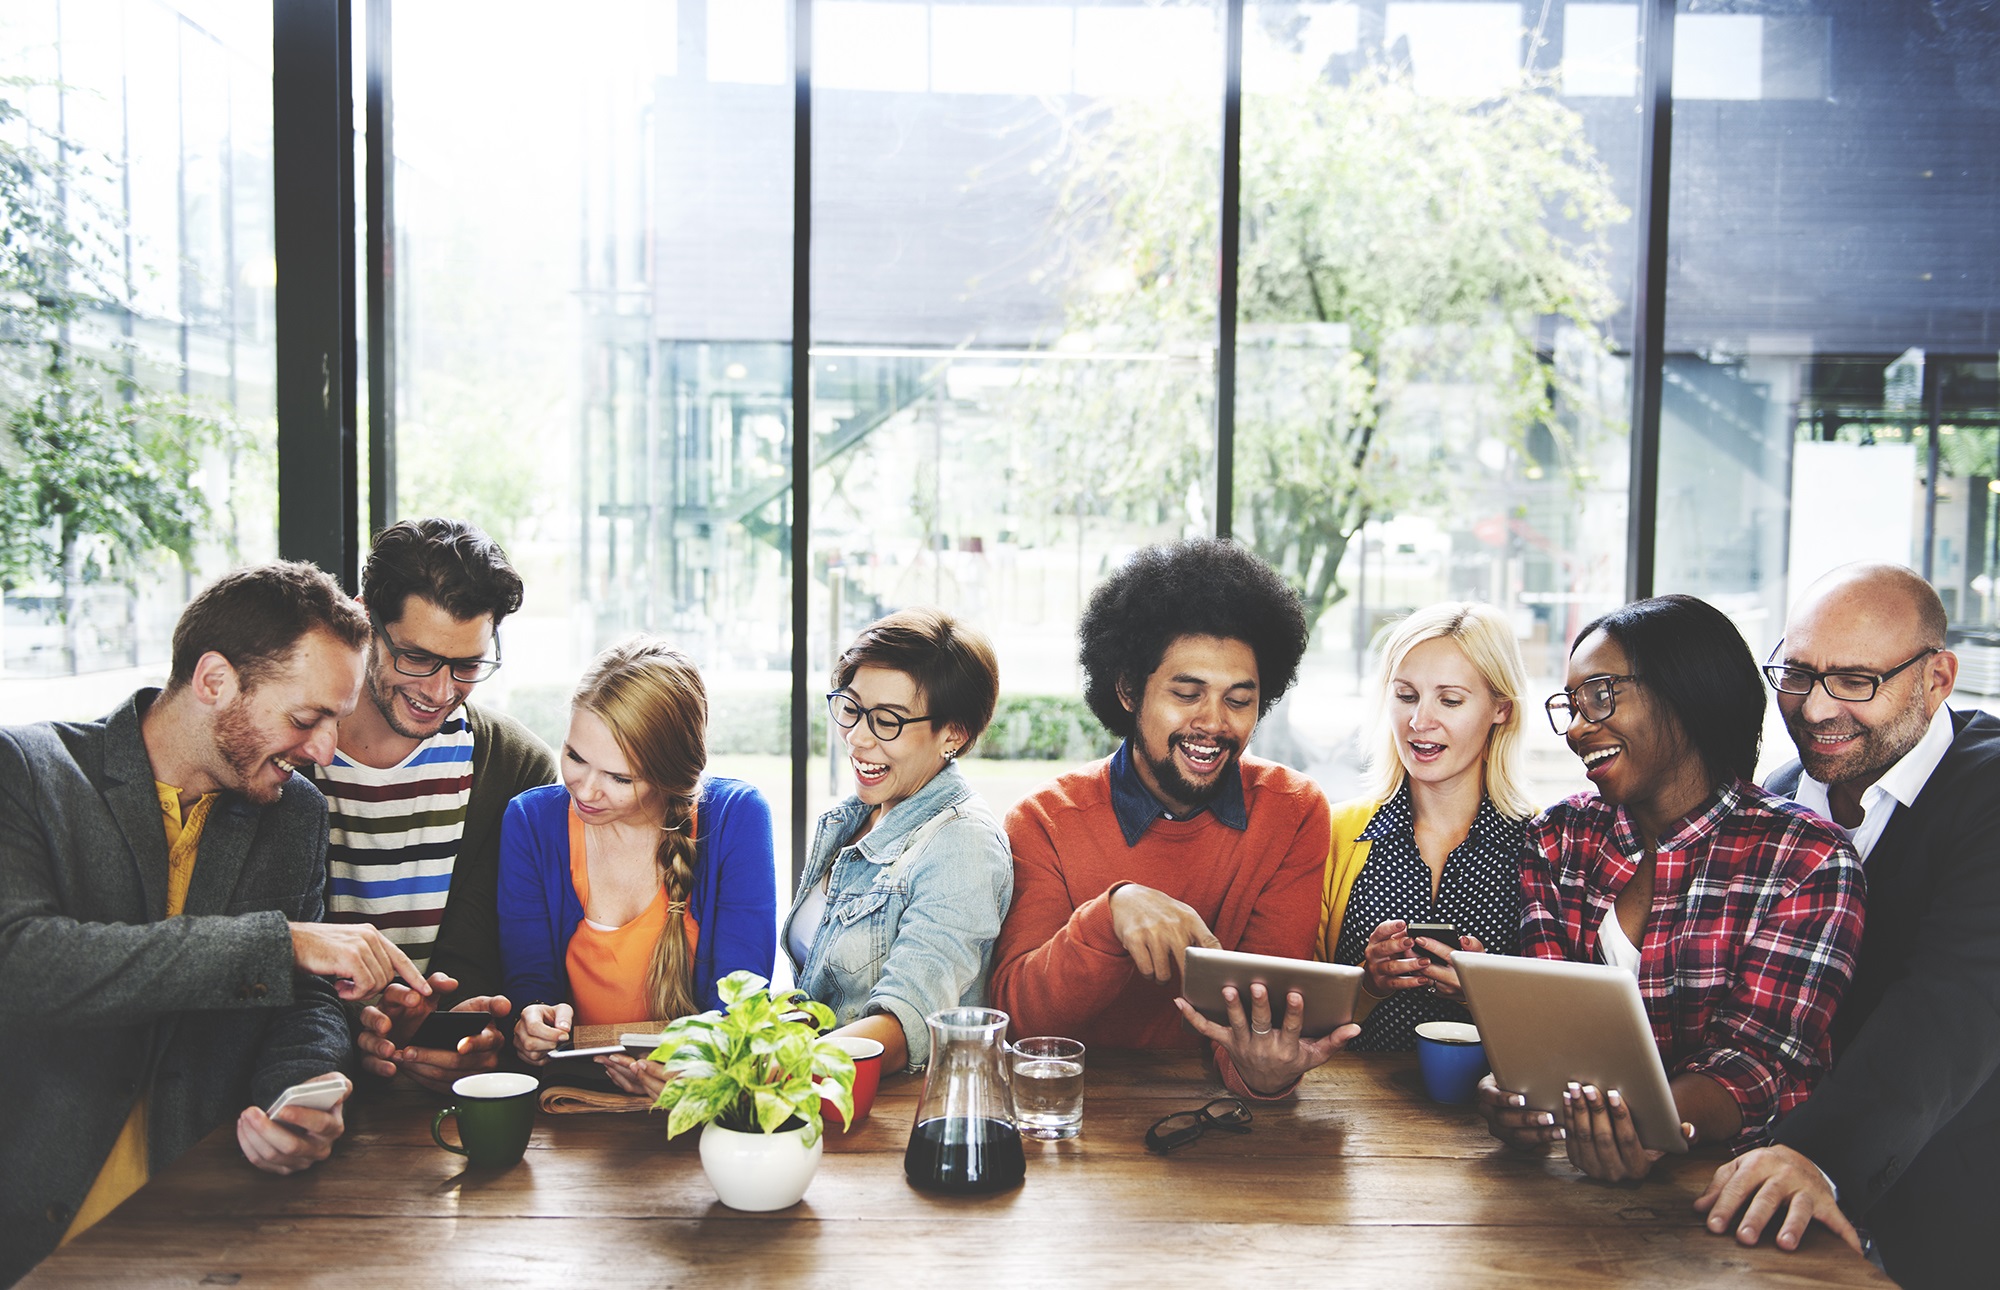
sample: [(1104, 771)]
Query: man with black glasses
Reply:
[(1901, 1134), (416, 789)]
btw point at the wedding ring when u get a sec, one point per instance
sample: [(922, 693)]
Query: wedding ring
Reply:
[(1265, 1031)]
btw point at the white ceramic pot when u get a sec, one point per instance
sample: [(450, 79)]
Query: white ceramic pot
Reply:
[(758, 1171)]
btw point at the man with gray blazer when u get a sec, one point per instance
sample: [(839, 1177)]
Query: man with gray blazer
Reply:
[(162, 963), (1901, 1137)]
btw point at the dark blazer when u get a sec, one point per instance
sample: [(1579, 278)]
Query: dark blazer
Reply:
[(1908, 1121), (103, 996)]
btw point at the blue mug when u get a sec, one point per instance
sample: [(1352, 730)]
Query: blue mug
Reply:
[(1452, 1060)]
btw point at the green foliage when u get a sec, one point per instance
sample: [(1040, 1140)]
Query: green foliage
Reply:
[(752, 1069), (95, 465), (85, 464), (1400, 255), (1044, 727)]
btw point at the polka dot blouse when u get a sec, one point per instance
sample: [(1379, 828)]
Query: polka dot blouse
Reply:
[(1480, 895)]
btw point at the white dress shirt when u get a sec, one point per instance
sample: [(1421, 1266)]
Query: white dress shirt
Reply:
[(1899, 785)]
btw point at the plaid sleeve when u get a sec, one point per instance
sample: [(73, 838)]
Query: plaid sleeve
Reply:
[(1770, 1036), (1542, 931)]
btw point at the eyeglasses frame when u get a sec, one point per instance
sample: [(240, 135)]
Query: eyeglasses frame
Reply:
[(1568, 695), (1771, 671), (486, 667), (1236, 1120), (870, 716)]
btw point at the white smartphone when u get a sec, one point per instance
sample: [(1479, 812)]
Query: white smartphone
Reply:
[(598, 1051), (320, 1093)]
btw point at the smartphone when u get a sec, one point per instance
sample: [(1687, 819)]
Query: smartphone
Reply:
[(598, 1051), (321, 1093), (443, 1030), (1444, 932)]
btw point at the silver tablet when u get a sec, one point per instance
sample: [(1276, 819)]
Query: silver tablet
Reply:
[(1546, 1023), (1327, 988)]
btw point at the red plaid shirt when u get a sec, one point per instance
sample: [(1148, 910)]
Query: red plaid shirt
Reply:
[(1750, 943)]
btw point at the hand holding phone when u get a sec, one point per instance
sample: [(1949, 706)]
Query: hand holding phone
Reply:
[(1444, 932), (321, 1093), (445, 1030)]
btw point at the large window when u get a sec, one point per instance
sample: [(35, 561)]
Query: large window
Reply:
[(136, 333), (593, 335), (1434, 333), (1001, 410), (1833, 309)]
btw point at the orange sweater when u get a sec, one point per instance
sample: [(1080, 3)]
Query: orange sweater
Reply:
[(1058, 967)]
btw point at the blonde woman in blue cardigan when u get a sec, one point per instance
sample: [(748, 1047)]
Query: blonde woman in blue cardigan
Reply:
[(1439, 836)]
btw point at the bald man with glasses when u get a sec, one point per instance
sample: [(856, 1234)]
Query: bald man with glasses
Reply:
[(1901, 1137)]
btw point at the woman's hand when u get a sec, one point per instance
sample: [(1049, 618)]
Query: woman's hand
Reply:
[(1603, 1142), (1391, 960), (636, 1075), (1269, 1058), (1509, 1119), (1443, 976), (542, 1029)]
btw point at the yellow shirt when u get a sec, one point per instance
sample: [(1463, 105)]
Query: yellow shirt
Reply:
[(124, 1170)]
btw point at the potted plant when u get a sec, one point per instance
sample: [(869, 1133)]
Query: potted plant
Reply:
[(753, 1075)]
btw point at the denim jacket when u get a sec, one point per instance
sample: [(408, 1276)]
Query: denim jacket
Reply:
[(912, 910)]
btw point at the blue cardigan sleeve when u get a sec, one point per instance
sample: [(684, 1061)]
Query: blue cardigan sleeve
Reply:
[(739, 915), (534, 875)]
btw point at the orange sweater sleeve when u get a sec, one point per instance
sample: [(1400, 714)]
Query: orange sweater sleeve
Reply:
[(1285, 918), (1055, 966)]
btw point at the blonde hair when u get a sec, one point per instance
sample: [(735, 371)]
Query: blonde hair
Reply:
[(653, 700), (1483, 634)]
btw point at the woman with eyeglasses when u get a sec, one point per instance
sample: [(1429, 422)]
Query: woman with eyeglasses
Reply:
[(630, 888), (1739, 911), (907, 879), (1438, 837)]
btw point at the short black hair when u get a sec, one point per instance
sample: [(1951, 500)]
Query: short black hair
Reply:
[(450, 563), (1198, 587), (1695, 661), (256, 617), (951, 663)]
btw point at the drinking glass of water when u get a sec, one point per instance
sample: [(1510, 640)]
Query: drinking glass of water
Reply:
[(1048, 1086)]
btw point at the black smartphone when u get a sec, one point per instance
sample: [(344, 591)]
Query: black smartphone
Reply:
[(1444, 932), (443, 1030)]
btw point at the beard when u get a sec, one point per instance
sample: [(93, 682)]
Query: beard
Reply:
[(241, 746), (1880, 747), (1190, 795), (382, 694)]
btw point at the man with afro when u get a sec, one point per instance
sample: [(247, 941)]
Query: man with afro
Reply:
[(1178, 838)]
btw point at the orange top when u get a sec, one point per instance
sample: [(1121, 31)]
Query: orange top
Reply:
[(607, 968)]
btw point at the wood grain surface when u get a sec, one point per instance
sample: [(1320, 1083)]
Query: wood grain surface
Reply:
[(1359, 1180)]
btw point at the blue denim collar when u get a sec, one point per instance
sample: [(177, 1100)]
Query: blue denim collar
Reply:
[(886, 840), (1137, 808)]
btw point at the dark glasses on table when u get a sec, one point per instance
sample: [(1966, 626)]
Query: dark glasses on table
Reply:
[(1182, 1127)]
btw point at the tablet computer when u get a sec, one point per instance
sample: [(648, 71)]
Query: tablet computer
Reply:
[(1546, 1023), (1327, 988)]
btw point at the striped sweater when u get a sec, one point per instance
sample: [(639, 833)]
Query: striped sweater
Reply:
[(394, 835)]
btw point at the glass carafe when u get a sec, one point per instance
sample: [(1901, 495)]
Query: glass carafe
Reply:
[(964, 1139)]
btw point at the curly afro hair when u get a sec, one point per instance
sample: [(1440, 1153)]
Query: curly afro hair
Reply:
[(1199, 587)]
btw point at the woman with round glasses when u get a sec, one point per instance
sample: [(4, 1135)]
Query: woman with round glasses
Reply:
[(1739, 912), (1439, 835), (627, 890), (907, 880)]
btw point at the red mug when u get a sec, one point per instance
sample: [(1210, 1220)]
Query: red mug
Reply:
[(867, 1055)]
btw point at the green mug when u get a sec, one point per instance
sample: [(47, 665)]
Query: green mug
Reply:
[(495, 1112)]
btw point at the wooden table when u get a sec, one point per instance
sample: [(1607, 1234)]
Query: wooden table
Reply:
[(1361, 1180)]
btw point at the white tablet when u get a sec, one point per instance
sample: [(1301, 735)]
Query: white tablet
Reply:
[(1327, 988), (1547, 1023)]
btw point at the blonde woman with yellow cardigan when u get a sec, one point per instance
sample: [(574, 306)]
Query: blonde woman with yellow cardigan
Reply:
[(1440, 834)]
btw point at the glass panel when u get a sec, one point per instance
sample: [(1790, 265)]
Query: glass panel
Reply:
[(594, 343), (1434, 335), (1013, 331), (136, 331), (1831, 311)]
